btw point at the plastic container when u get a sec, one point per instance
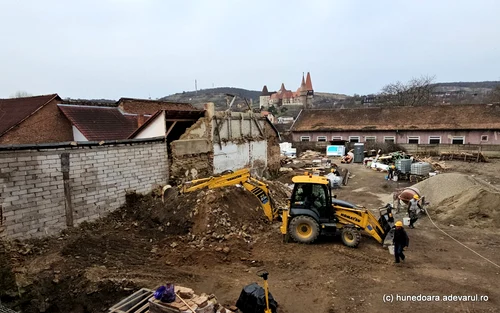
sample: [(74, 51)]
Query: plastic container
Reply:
[(421, 168), (391, 249), (406, 221), (404, 165)]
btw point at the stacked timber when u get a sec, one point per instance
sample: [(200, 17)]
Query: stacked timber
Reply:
[(463, 156)]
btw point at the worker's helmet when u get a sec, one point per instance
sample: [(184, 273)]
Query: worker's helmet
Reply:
[(416, 197), (393, 166), (399, 224)]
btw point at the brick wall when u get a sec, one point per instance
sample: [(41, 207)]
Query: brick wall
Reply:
[(46, 125), (44, 190)]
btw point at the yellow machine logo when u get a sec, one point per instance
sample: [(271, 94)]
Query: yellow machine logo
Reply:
[(352, 218)]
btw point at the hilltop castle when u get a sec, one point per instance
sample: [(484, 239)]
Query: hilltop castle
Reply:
[(283, 97)]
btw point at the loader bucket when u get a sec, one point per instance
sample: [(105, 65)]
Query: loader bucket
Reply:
[(386, 221)]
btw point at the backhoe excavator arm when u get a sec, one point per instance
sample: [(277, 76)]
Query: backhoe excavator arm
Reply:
[(239, 177)]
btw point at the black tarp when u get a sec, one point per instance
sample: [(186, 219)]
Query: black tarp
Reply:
[(253, 300)]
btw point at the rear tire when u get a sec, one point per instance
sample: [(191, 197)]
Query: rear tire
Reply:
[(351, 237), (304, 229)]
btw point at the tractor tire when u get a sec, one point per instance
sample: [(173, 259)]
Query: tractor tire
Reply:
[(304, 229), (351, 237)]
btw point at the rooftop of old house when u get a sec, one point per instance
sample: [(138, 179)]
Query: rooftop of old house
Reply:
[(16, 110), (443, 117), (98, 123)]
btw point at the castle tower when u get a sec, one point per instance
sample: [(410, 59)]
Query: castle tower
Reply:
[(303, 93), (265, 95), (309, 86)]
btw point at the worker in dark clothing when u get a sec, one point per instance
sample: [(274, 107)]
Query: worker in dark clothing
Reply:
[(390, 172), (400, 241)]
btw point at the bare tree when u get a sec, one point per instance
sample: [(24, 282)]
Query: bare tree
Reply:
[(417, 91), (494, 96), (21, 94)]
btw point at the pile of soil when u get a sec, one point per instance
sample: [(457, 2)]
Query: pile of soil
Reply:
[(462, 200), (201, 228)]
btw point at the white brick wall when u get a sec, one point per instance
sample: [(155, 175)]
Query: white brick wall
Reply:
[(32, 189)]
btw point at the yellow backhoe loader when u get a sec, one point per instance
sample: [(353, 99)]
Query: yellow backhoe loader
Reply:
[(312, 211)]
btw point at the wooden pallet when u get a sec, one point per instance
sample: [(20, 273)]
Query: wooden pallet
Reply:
[(135, 303)]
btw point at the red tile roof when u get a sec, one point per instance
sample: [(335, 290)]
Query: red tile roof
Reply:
[(444, 117), (100, 123), (16, 110), (309, 85)]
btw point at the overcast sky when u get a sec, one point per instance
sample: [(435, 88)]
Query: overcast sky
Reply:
[(152, 48)]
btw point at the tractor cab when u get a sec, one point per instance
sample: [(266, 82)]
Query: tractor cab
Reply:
[(312, 197)]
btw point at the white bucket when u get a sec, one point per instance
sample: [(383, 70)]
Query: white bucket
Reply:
[(406, 221), (395, 178), (391, 249)]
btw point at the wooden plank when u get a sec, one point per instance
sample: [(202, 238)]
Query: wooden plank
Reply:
[(181, 119)]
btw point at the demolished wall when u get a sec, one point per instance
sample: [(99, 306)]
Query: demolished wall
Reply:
[(223, 141), (244, 140), (192, 154)]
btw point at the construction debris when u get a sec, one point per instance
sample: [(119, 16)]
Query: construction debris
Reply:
[(144, 301), (463, 156)]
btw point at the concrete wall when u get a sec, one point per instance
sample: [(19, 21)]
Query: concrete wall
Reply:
[(402, 137), (46, 125), (492, 151), (43, 191), (234, 156), (239, 140), (155, 129)]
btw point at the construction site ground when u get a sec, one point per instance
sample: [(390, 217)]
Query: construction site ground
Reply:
[(219, 247)]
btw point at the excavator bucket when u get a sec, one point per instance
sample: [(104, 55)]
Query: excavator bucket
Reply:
[(386, 221), (169, 193)]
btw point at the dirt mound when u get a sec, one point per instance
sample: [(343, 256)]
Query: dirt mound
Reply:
[(475, 208), (462, 200)]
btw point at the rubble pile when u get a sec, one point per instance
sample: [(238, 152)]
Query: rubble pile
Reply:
[(187, 301)]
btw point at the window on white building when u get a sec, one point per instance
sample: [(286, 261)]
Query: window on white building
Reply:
[(434, 140), (484, 138), (389, 139), (414, 139), (458, 140), (305, 138), (321, 138), (353, 138), (370, 138)]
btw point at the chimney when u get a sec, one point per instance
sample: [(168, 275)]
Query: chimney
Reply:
[(140, 120)]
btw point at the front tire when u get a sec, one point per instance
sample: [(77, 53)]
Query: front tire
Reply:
[(304, 229), (351, 237)]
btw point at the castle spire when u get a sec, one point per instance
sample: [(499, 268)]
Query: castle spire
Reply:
[(309, 85), (265, 92), (282, 89)]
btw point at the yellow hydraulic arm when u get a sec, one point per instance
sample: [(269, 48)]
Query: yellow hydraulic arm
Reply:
[(361, 218), (242, 177)]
